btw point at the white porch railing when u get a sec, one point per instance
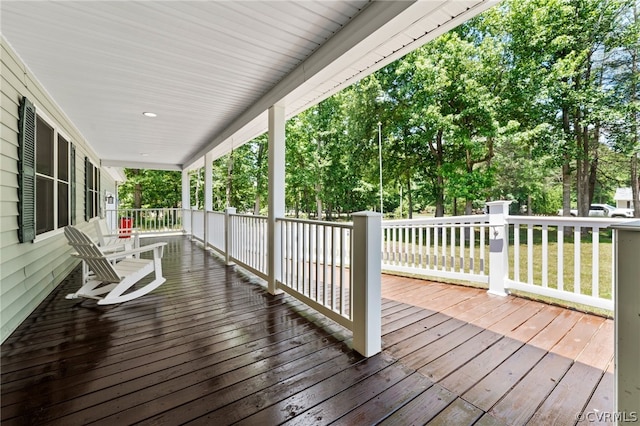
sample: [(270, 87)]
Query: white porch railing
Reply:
[(540, 258), (562, 258), (451, 247), (216, 231), (197, 224), (316, 263), (555, 257), (332, 267), (248, 245), (316, 266), (160, 220)]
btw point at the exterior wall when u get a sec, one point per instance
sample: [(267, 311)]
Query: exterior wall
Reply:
[(30, 271), (624, 198), (624, 204)]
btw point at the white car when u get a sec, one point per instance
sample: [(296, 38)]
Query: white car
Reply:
[(603, 210), (621, 212)]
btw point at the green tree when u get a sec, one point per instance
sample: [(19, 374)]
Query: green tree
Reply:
[(445, 116), (559, 48), (624, 127), (150, 189)]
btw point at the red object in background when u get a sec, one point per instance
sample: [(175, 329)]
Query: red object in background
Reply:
[(125, 227)]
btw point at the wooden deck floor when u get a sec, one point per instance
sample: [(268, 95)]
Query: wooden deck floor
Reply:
[(212, 347)]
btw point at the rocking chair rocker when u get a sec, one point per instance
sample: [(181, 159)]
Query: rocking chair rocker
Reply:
[(114, 279)]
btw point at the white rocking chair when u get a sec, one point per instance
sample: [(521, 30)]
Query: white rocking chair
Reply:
[(109, 282)]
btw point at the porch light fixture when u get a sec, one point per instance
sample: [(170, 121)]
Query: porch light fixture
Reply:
[(109, 199), (150, 114)]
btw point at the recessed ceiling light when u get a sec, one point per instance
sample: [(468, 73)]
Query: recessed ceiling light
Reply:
[(144, 154), (150, 114)]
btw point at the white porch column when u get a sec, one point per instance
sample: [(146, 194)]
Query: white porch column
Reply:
[(228, 235), (627, 321), (367, 280), (208, 195), (498, 245), (186, 202), (276, 192)]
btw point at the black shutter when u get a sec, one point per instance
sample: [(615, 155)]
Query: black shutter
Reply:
[(88, 202), (98, 211), (26, 171), (72, 183)]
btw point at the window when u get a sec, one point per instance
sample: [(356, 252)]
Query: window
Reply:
[(53, 184), (45, 179), (46, 175), (92, 190), (63, 182)]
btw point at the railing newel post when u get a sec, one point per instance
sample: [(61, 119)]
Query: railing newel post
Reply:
[(498, 246), (366, 302), (627, 318)]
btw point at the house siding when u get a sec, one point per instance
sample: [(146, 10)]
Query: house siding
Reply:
[(624, 198), (29, 272)]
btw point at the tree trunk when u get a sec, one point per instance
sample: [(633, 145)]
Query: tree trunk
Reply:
[(259, 160), (593, 171), (566, 167), (439, 154), (318, 201), (410, 198), (635, 185), (582, 166), (468, 207), (198, 189), (256, 205), (635, 179), (137, 196), (229, 180)]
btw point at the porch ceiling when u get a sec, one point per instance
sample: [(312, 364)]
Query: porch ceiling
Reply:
[(208, 69)]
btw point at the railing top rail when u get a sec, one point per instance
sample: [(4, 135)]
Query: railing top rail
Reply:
[(590, 222), (438, 225), (476, 218), (345, 225), (146, 209), (255, 216)]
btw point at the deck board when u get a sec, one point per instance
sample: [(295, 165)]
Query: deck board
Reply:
[(520, 404), (211, 346)]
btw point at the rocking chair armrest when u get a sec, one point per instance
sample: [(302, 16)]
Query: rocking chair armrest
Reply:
[(131, 231), (142, 249), (134, 234), (112, 248)]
